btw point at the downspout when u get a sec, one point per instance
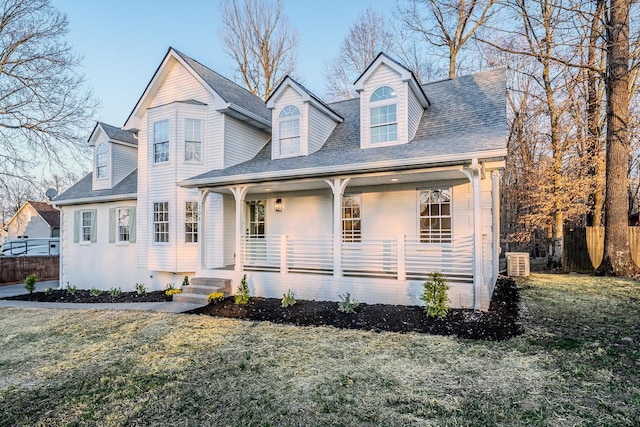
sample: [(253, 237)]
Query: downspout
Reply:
[(478, 276)]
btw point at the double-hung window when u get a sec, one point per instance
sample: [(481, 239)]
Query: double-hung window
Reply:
[(191, 222), (351, 219), (161, 141), (289, 136), (123, 224), (101, 160), (383, 117), (192, 140), (435, 216), (161, 222), (87, 226)]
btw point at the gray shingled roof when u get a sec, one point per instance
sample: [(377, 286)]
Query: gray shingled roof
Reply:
[(467, 115), (82, 189), (228, 90), (50, 214), (119, 134)]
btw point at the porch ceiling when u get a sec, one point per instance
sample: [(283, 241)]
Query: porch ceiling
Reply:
[(382, 178)]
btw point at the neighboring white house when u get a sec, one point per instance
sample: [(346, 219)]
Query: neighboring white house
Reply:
[(34, 220), (367, 196)]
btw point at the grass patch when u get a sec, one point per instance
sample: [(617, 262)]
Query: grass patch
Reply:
[(577, 363)]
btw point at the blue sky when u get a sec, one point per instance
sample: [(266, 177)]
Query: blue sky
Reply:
[(123, 42)]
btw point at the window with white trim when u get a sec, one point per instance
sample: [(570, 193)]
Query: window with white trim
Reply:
[(87, 227), (161, 141), (123, 229), (192, 140), (435, 216), (191, 222), (383, 117), (351, 218), (161, 222), (101, 160), (289, 133)]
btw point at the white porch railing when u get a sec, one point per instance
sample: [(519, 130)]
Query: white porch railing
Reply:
[(398, 258), (372, 258), (309, 254), (454, 260)]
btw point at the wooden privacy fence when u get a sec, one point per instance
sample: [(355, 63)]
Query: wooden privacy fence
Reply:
[(16, 268), (584, 248)]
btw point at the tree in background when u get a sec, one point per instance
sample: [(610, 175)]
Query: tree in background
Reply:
[(617, 259), (45, 111), (446, 25), (258, 36), (368, 36)]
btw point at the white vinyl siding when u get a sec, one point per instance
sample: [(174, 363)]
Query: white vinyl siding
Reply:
[(125, 161), (242, 142), (415, 115), (320, 127)]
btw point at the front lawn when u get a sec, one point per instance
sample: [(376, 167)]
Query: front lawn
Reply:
[(578, 363)]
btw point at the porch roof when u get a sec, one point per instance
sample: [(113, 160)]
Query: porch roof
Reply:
[(466, 120)]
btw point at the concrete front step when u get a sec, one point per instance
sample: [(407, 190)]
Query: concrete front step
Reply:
[(200, 288)]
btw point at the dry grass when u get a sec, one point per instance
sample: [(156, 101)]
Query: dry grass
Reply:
[(577, 364)]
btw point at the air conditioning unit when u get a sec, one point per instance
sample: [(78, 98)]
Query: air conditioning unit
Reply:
[(517, 264)]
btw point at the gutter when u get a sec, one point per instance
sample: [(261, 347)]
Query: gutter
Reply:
[(385, 165), (97, 199)]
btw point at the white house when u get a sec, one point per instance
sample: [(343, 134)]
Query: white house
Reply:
[(34, 220), (367, 196)]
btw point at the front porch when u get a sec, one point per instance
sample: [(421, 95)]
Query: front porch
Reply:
[(395, 231)]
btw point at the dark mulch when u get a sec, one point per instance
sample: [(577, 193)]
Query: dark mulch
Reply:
[(83, 296), (499, 323)]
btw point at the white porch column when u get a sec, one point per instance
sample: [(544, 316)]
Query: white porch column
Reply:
[(495, 191), (239, 194), (202, 246), (337, 186), (478, 276)]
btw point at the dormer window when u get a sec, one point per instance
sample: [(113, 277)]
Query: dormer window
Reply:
[(384, 122), (101, 160), (289, 125)]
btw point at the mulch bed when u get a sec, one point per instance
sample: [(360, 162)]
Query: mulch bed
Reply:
[(83, 296), (499, 323)]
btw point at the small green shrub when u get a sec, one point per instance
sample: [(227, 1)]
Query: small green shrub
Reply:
[(95, 292), (215, 297), (72, 289), (30, 283), (435, 296), (141, 289), (115, 292), (289, 298), (243, 295), (346, 304), (48, 291), (185, 281)]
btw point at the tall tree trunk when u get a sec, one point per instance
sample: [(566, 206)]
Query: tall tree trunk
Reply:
[(595, 169), (617, 259)]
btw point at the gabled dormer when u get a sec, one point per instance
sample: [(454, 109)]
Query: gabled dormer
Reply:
[(301, 123), (391, 103), (115, 155)]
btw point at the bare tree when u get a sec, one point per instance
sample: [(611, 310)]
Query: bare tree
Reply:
[(446, 24), (45, 112), (368, 36), (257, 35), (617, 259)]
